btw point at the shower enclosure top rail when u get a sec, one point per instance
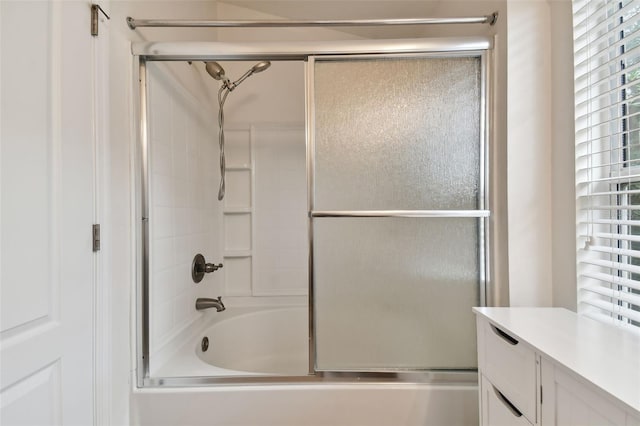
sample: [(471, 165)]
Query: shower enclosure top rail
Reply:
[(301, 50), (281, 23)]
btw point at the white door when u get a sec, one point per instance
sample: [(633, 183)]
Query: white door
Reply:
[(47, 208)]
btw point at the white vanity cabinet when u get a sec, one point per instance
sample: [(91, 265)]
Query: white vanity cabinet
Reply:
[(549, 366)]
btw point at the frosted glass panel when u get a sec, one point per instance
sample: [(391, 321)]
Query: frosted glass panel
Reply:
[(397, 134), (395, 293)]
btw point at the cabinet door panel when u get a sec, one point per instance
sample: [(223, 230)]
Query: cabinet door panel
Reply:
[(569, 402), (632, 421)]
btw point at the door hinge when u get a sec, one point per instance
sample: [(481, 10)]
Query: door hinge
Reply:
[(95, 8), (96, 237)]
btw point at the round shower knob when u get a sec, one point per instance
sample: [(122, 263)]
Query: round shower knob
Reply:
[(199, 267)]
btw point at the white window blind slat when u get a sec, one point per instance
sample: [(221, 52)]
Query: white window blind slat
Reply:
[(614, 267), (611, 208), (615, 309), (619, 237), (607, 114), (630, 177), (618, 297), (617, 157), (609, 222), (608, 193), (616, 164), (599, 316), (616, 251), (601, 20), (617, 281), (603, 37), (602, 68)]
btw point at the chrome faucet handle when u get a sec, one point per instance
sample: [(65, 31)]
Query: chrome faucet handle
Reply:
[(211, 267), (199, 267)]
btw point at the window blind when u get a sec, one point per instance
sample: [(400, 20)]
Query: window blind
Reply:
[(607, 115)]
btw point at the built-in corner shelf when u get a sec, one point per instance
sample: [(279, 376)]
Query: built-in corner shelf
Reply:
[(237, 253), (238, 212)]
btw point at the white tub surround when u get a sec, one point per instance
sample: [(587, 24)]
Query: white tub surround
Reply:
[(551, 366), (338, 404)]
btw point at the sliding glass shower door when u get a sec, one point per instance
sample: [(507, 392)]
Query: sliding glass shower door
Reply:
[(397, 159)]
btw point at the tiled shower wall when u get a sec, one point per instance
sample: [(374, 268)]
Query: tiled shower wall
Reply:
[(264, 222), (259, 230), (183, 183), (265, 212)]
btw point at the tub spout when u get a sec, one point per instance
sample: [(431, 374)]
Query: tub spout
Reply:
[(203, 303)]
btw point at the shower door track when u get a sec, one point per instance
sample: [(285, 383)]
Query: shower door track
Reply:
[(199, 51)]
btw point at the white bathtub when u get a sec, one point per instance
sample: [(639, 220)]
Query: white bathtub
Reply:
[(274, 341), (249, 341)]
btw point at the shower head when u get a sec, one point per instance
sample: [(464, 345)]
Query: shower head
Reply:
[(260, 66), (216, 71)]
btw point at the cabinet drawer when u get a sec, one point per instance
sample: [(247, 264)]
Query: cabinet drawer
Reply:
[(510, 365), (497, 410)]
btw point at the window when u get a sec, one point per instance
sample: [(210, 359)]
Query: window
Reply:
[(607, 96)]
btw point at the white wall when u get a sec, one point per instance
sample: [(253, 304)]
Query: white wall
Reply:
[(541, 194), (231, 11), (265, 221), (119, 241), (529, 153), (541, 212), (563, 157)]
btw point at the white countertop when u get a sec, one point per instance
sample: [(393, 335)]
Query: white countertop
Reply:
[(605, 355)]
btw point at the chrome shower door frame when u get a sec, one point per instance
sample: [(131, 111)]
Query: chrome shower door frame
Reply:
[(309, 52), (482, 213)]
